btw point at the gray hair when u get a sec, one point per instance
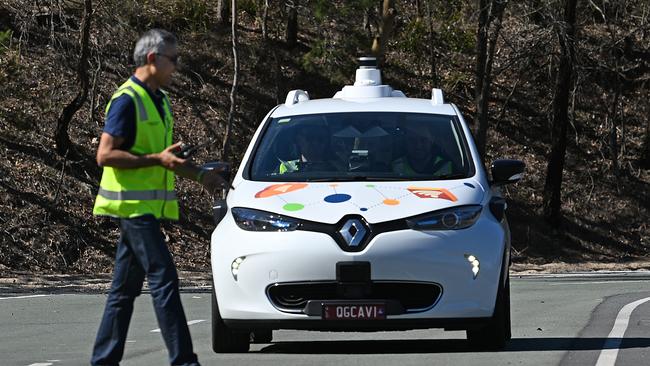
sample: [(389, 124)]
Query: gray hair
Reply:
[(153, 40)]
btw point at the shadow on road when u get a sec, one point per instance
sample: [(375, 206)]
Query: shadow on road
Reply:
[(448, 346)]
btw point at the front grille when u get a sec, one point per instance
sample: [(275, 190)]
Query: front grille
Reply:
[(413, 296)]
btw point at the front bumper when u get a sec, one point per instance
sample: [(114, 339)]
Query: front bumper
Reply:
[(439, 257)]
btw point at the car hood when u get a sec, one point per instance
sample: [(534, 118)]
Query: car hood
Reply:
[(375, 201)]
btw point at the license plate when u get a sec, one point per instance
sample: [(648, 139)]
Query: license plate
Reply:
[(354, 311)]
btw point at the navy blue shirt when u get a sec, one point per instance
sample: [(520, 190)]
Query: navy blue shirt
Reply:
[(120, 119)]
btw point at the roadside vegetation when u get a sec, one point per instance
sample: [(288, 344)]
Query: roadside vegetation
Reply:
[(497, 60)]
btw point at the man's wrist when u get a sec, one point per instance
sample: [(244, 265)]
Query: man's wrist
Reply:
[(154, 158)]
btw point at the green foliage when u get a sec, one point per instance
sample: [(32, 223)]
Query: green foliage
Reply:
[(324, 8), (248, 6), (329, 60), (413, 37), (311, 59), (5, 40), (321, 9), (450, 22), (458, 40), (194, 13)]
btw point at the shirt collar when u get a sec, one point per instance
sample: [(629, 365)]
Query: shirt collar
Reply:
[(156, 95)]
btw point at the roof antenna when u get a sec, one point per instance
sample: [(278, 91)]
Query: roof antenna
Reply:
[(367, 74), (367, 62)]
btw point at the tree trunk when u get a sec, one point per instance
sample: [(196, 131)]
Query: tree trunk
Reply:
[(278, 76), (292, 23), (481, 57), (645, 155), (433, 56), (61, 136), (613, 134), (490, 13), (222, 12), (265, 18), (388, 14), (225, 152), (553, 185)]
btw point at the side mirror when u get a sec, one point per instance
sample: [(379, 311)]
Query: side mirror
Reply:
[(224, 167), (219, 206), (505, 171)]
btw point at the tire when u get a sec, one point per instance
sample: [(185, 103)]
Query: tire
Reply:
[(224, 339), (497, 332), (262, 336)]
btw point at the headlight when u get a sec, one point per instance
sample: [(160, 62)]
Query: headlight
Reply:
[(254, 220), (454, 218)]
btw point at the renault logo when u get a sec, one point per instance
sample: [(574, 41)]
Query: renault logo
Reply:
[(353, 232)]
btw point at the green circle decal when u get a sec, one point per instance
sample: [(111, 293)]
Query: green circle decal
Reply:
[(293, 207)]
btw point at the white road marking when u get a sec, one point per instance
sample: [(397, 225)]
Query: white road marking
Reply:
[(596, 282), (196, 297), (48, 363), (610, 348), (191, 322), (22, 297)]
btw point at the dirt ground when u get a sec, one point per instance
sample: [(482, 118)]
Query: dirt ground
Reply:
[(23, 282)]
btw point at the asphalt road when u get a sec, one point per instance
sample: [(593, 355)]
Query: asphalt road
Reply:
[(576, 320)]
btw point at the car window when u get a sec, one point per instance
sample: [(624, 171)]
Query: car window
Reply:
[(361, 146)]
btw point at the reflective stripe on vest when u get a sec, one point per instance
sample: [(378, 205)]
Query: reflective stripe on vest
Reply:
[(142, 111), (137, 195)]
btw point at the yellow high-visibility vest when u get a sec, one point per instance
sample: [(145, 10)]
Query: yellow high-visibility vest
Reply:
[(128, 193)]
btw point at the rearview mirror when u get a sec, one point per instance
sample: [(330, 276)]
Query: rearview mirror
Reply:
[(506, 171)]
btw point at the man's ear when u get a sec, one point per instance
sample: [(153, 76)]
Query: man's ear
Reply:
[(151, 57)]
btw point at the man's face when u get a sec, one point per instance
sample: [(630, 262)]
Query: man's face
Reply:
[(419, 145), (165, 65)]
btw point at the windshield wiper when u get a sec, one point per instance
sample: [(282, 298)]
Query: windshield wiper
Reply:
[(356, 178), (450, 176)]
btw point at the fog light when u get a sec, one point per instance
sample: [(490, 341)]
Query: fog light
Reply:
[(234, 267), (474, 262)]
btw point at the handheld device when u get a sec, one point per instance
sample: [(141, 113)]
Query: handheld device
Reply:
[(185, 151)]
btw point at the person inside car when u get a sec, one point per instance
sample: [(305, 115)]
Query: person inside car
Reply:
[(312, 143), (422, 156)]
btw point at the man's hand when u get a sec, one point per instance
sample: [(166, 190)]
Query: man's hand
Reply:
[(212, 181), (168, 159)]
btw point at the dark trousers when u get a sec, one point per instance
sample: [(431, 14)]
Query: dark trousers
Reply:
[(142, 251)]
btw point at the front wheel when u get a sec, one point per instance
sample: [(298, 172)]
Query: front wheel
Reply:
[(498, 330), (224, 339)]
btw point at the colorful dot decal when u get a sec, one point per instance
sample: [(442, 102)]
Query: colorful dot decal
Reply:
[(337, 198), (293, 206), (282, 192)]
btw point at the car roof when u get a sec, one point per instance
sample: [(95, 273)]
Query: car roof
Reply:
[(385, 104)]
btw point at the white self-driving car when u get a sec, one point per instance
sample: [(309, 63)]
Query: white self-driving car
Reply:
[(369, 211)]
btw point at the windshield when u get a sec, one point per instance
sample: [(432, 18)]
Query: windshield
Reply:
[(361, 146)]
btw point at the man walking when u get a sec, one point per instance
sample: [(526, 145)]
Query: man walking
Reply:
[(137, 187)]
